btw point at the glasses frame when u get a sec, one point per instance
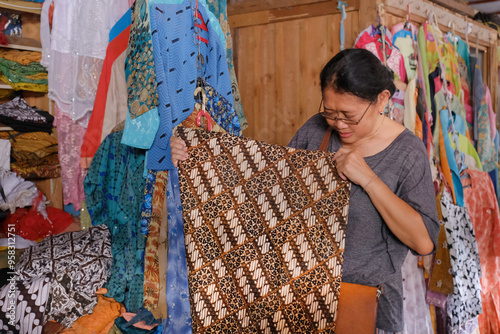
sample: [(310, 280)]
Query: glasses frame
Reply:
[(343, 120)]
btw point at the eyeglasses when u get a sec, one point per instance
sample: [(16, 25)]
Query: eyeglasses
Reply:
[(334, 115)]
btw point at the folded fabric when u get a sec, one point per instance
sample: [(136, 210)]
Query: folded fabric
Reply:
[(80, 264), (21, 56), (16, 191), (25, 313), (20, 116), (102, 317)]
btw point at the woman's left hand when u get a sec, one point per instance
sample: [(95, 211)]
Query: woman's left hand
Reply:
[(352, 166)]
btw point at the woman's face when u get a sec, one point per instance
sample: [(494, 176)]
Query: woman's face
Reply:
[(352, 117)]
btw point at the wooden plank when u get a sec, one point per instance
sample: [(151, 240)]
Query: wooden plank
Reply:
[(456, 7), (287, 80), (247, 6), (367, 13), (245, 73), (312, 57), (23, 43), (267, 125), (52, 189), (22, 6), (285, 14)]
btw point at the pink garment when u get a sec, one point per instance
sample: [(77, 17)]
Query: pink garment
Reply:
[(480, 200), (371, 40), (70, 136), (417, 316)]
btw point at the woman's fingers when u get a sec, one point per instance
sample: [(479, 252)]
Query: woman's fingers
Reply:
[(178, 150)]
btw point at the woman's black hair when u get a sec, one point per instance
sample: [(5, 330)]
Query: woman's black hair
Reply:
[(358, 72)]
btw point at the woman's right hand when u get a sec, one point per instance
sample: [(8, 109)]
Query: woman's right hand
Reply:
[(178, 150)]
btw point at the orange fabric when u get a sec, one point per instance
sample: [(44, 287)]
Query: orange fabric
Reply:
[(445, 167), (418, 128), (100, 321), (151, 259), (481, 202)]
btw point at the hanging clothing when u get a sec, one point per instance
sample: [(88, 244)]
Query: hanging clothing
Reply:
[(219, 9), (176, 70), (480, 200), (142, 119), (71, 135), (222, 111), (402, 39), (441, 278), (114, 192), (417, 315), (371, 40), (110, 107), (464, 304), (77, 39), (178, 295), (434, 52), (154, 200)]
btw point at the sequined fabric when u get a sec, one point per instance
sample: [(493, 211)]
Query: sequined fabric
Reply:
[(264, 230)]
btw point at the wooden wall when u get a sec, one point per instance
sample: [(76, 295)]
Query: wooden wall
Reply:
[(279, 48), (278, 62)]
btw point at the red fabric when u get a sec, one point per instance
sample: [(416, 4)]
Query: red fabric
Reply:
[(31, 225), (3, 39), (93, 136)]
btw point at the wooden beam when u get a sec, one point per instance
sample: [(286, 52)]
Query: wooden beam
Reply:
[(248, 6), (456, 7), (285, 14), (481, 1)]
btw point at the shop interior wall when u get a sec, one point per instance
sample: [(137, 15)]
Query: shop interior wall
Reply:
[(279, 48), (278, 55)]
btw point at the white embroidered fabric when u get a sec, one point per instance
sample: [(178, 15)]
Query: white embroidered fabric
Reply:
[(74, 48)]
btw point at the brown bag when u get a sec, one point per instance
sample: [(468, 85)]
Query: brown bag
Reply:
[(357, 307)]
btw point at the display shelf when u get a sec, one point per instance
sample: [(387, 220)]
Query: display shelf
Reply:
[(23, 43), (22, 6)]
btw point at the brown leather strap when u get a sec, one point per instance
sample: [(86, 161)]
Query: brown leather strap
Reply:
[(326, 139)]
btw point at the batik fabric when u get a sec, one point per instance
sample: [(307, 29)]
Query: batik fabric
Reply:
[(264, 231)]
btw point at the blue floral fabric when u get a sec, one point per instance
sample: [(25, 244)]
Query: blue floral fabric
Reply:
[(114, 191), (147, 205), (179, 311), (219, 9), (222, 111)]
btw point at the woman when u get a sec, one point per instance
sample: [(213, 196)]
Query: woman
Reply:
[(392, 206)]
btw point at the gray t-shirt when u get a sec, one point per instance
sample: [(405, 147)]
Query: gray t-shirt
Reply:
[(373, 254)]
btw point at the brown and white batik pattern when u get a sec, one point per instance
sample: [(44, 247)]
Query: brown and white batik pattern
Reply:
[(264, 230)]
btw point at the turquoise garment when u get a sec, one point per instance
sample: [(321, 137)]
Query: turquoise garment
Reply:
[(178, 305), (175, 57), (450, 154), (219, 9), (114, 191), (341, 5), (139, 64), (140, 131)]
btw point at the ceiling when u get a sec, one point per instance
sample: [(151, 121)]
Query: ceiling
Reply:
[(485, 6)]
